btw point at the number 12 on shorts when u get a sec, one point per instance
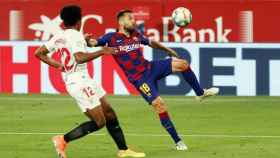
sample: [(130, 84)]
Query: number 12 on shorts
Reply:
[(145, 89), (88, 92)]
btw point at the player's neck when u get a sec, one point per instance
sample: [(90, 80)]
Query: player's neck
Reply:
[(125, 32), (72, 27)]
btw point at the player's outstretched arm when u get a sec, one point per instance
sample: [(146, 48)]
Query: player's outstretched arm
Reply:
[(41, 53), (82, 57), (157, 45)]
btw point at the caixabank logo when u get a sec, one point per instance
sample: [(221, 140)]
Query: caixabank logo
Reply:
[(216, 30), (215, 21), (47, 27), (237, 69)]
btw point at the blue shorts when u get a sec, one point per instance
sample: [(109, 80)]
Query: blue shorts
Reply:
[(147, 85)]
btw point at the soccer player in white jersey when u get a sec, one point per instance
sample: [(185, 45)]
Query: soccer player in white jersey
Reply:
[(90, 96)]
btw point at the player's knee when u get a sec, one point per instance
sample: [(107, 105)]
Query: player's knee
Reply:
[(184, 65), (100, 120), (159, 105), (107, 109), (97, 115), (161, 109)]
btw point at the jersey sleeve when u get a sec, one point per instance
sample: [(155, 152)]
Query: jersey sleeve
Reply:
[(144, 40), (104, 40)]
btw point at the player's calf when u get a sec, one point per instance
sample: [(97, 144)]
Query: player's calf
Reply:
[(181, 65), (97, 122), (165, 120), (112, 124)]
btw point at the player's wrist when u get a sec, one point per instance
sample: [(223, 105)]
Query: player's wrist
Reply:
[(90, 43)]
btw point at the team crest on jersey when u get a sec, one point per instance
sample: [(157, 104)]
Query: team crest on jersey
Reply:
[(60, 41)]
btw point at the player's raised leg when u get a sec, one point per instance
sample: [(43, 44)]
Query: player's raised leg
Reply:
[(181, 65), (160, 107), (114, 128), (97, 121)]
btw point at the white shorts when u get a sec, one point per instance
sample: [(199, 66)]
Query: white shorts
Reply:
[(87, 93)]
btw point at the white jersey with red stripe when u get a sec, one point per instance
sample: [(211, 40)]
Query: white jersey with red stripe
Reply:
[(66, 43), (79, 84)]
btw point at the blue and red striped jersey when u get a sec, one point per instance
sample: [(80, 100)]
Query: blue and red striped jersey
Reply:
[(129, 53)]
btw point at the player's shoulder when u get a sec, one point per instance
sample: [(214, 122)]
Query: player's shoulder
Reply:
[(137, 33), (57, 35), (110, 35), (73, 33), (55, 41)]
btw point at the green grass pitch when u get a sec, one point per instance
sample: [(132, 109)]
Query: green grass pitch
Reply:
[(220, 127)]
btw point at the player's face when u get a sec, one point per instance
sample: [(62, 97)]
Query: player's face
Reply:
[(129, 21)]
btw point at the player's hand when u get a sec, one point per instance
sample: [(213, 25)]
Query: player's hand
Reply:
[(88, 36), (91, 42), (109, 51)]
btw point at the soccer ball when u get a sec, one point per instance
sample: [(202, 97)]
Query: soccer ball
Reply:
[(182, 17)]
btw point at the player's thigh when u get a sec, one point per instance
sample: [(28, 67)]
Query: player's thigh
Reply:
[(108, 111), (148, 89), (88, 102), (87, 94), (98, 89), (159, 105), (161, 68), (179, 65)]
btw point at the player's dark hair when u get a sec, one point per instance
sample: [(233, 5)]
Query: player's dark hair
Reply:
[(71, 14), (122, 12)]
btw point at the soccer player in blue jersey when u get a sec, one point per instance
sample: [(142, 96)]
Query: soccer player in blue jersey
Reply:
[(144, 74)]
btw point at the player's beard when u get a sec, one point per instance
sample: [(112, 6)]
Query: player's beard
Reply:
[(130, 29)]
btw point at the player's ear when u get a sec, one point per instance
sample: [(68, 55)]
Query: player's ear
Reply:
[(121, 21), (79, 25)]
